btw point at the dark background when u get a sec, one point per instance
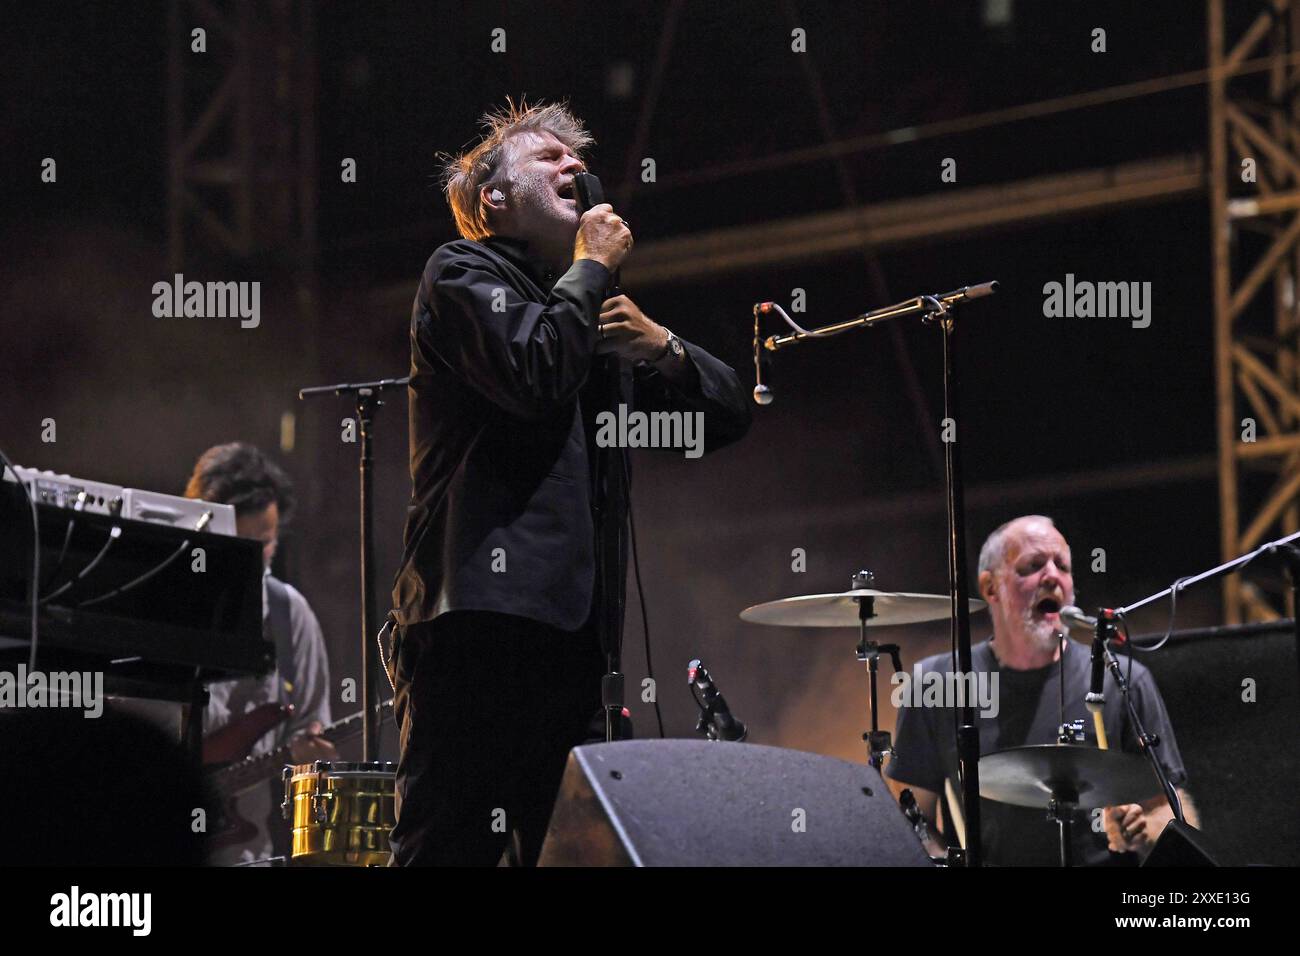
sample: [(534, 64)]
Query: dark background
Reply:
[(1107, 428)]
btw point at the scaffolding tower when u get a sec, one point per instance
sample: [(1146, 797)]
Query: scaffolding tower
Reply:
[(1254, 167)]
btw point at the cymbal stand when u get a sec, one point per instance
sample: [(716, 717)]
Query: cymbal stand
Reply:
[(879, 742)]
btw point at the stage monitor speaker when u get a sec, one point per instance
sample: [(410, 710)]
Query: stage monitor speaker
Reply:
[(1234, 707), (703, 803), (1179, 845)]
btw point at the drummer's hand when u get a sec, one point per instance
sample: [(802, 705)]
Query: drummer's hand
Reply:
[(1126, 829), (309, 745)]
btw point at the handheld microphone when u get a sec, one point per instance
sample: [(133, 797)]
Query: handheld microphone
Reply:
[(589, 192), (716, 720)]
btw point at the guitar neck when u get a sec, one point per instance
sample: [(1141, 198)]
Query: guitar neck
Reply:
[(252, 771)]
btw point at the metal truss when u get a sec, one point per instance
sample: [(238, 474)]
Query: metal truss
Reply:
[(1255, 134), (241, 166)]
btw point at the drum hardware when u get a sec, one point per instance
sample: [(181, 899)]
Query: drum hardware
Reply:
[(879, 742), (934, 848), (1071, 732), (1061, 812), (861, 606), (1058, 776)]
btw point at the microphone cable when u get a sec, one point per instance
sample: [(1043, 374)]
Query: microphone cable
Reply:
[(640, 590)]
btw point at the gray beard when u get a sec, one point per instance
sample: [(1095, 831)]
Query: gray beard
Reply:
[(1039, 632)]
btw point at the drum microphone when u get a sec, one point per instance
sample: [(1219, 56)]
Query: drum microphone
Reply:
[(716, 720), (762, 394), (1075, 620)]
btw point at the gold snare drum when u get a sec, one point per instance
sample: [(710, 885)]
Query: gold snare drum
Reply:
[(341, 812)]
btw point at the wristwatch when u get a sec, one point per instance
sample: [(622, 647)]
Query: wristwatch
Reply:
[(673, 348)]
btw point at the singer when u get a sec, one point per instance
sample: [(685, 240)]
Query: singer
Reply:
[(1025, 576), (496, 662)]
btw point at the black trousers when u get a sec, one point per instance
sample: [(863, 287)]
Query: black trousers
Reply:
[(488, 707)]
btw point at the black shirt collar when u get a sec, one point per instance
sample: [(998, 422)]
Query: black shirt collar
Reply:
[(519, 254)]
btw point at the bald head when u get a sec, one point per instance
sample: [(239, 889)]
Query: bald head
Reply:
[(1026, 576), (995, 545)]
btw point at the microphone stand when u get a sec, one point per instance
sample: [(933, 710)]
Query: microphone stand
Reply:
[(1281, 548), (610, 504), (1147, 742), (934, 310), (368, 404)]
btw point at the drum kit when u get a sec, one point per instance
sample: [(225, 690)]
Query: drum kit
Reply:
[(1053, 777)]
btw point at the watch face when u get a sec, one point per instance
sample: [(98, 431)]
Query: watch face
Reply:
[(675, 344)]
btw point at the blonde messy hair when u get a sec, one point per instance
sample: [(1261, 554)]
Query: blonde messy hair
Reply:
[(465, 174)]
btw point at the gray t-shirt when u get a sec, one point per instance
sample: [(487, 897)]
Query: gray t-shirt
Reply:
[(1029, 712), (308, 692)]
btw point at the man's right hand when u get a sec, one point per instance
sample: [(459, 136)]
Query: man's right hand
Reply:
[(602, 236)]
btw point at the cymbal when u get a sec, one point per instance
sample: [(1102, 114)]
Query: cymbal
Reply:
[(841, 610), (1087, 776)]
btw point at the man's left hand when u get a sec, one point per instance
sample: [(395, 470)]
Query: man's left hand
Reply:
[(628, 332)]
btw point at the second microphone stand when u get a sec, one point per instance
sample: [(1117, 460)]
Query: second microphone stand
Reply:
[(368, 403), (1283, 549), (936, 310)]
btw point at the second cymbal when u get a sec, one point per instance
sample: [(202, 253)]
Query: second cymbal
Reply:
[(841, 610)]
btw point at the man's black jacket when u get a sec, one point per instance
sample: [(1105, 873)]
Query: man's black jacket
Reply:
[(502, 413)]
